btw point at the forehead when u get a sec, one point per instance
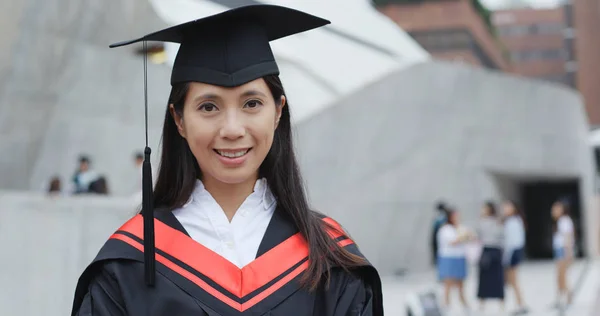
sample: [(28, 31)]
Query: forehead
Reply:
[(199, 89)]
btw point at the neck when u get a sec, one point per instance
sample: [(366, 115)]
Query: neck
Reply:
[(229, 196)]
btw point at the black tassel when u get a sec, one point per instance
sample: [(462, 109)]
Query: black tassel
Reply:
[(148, 214), (147, 199)]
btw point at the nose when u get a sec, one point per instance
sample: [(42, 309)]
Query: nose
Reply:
[(233, 127)]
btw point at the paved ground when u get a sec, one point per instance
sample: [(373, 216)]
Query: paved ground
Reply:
[(537, 281)]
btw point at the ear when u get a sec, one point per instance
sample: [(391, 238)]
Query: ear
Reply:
[(279, 109), (178, 120)]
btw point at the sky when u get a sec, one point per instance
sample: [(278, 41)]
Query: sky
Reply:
[(499, 4)]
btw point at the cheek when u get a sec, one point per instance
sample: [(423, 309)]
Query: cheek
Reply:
[(263, 133), (199, 137)]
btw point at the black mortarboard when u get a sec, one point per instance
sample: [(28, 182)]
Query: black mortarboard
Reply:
[(227, 49), (231, 48)]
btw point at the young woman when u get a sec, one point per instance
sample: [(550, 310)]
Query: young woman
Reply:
[(563, 243), (438, 222), (491, 272), (514, 244), (233, 234), (452, 260)]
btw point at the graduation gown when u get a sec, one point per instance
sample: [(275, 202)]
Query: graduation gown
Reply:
[(193, 280)]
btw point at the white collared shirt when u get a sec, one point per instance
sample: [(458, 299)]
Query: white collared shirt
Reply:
[(514, 233), (238, 240), (564, 228), (445, 237)]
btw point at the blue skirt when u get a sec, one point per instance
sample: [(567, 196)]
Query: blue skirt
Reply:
[(516, 257), (452, 268)]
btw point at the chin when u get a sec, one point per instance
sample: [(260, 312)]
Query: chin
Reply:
[(234, 176)]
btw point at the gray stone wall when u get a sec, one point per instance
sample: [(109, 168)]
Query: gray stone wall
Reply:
[(380, 159), (64, 92)]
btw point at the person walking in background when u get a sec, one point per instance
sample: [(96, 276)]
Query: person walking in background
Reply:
[(452, 261), (491, 273), (563, 243), (438, 222), (84, 176), (514, 243)]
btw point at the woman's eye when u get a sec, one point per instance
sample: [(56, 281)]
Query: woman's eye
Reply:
[(252, 104), (208, 107)]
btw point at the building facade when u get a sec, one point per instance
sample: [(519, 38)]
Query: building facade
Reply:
[(450, 30), (539, 42), (585, 18), (559, 44)]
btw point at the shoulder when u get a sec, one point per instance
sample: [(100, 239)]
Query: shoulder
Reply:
[(447, 229), (565, 222), (119, 251), (513, 221), (343, 237), (107, 276), (366, 275)]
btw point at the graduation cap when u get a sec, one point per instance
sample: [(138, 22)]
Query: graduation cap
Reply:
[(227, 49)]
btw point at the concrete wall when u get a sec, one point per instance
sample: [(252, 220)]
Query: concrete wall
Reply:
[(46, 245), (63, 91), (381, 158)]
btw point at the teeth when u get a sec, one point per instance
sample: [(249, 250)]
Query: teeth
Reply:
[(232, 154)]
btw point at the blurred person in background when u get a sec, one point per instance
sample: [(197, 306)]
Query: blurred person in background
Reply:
[(452, 257), (84, 175), (514, 250), (138, 161), (55, 187), (438, 222), (563, 243), (99, 186), (491, 272), (234, 231)]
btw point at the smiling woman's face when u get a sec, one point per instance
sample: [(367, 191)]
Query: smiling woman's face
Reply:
[(229, 130)]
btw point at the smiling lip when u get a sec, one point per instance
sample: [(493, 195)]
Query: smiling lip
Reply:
[(232, 157)]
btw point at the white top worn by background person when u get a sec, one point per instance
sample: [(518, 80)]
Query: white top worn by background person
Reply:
[(446, 236), (238, 240), (564, 230), (514, 236)]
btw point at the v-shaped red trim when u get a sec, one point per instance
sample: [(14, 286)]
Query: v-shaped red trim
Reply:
[(239, 282)]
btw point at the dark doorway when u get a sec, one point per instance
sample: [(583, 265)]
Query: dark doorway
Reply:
[(537, 198)]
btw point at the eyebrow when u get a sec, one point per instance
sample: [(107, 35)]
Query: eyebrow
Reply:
[(250, 93), (206, 96), (214, 96)]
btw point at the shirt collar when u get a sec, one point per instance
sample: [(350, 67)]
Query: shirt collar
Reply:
[(261, 195)]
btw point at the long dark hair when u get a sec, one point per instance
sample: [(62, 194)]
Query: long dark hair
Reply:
[(491, 208), (179, 170)]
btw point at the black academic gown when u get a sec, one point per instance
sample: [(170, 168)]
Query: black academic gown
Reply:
[(193, 280)]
